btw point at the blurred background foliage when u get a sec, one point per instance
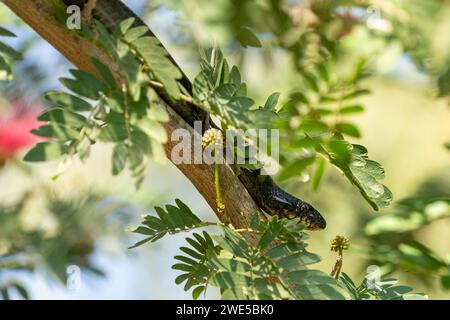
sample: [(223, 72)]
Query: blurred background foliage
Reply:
[(391, 57)]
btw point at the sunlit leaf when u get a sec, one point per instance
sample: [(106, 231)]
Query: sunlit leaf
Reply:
[(45, 151)]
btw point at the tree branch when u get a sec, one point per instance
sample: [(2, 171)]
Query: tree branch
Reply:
[(40, 15)]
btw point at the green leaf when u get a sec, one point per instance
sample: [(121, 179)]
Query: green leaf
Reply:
[(135, 158), (296, 168), (231, 265), (140, 243), (328, 99), (348, 129), (313, 126), (193, 264), (197, 292), (310, 277), (323, 73), (126, 24), (80, 88), (6, 33), (64, 117), (286, 249), (88, 80), (363, 173), (306, 142), (235, 76), (266, 290), (135, 33), (105, 72), (141, 141), (154, 130), (66, 100), (311, 81), (356, 94), (341, 152), (347, 282), (272, 101), (156, 58), (318, 174), (444, 83), (445, 282), (232, 242), (395, 223), (387, 289), (247, 38), (119, 158), (5, 70), (9, 51), (234, 294), (131, 67), (105, 38), (416, 213), (395, 292), (269, 234), (157, 113), (113, 132), (299, 97), (221, 93), (116, 101), (56, 131), (417, 257), (173, 220), (351, 109), (316, 285), (4, 293), (323, 112), (298, 261), (322, 292), (45, 151), (228, 280), (201, 86), (22, 291)]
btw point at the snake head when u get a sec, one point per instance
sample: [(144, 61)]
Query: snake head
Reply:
[(277, 202), (309, 216)]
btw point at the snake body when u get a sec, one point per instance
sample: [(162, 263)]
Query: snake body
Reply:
[(267, 195)]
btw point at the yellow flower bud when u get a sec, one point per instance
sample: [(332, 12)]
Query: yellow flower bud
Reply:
[(339, 243), (212, 137)]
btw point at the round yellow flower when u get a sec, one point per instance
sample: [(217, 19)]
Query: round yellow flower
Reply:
[(339, 243), (212, 137)]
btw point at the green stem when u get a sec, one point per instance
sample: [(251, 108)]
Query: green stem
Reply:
[(220, 205)]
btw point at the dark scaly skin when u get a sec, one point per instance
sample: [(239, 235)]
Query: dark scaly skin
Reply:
[(275, 201), (267, 195)]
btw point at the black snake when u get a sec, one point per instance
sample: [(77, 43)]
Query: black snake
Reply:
[(267, 195)]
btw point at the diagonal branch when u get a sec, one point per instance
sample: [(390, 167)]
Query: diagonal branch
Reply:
[(40, 15)]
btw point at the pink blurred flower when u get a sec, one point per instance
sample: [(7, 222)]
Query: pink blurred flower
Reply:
[(15, 128)]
